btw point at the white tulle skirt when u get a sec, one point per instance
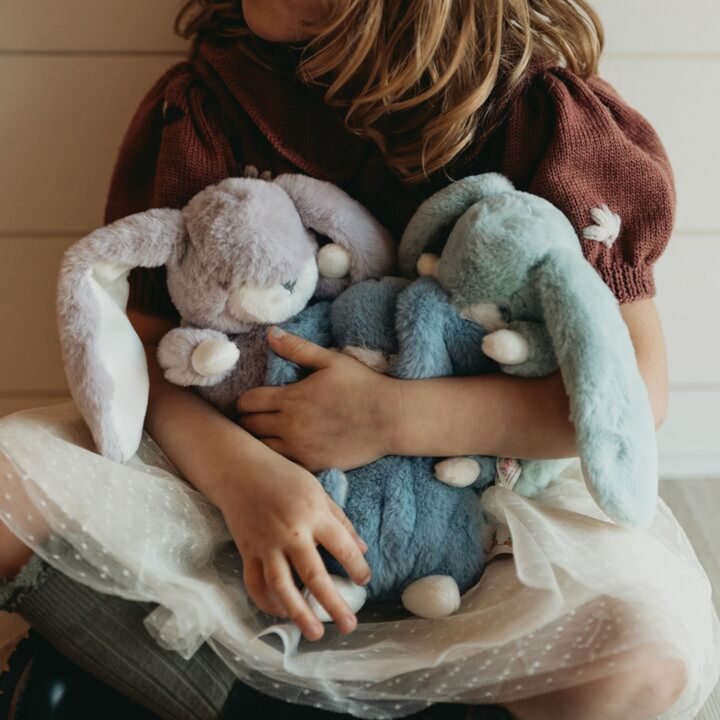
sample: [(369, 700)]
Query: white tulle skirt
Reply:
[(576, 599)]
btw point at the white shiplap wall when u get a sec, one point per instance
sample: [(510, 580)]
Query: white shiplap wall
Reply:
[(72, 73)]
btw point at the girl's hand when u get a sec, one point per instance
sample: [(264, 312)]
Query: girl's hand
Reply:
[(278, 513), (337, 417)]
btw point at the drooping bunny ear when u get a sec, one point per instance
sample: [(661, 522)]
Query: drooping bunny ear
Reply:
[(104, 358), (436, 216), (362, 248), (609, 403)]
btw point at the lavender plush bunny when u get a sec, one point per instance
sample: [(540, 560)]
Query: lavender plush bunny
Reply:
[(240, 255)]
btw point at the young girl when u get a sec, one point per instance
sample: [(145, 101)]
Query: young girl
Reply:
[(391, 101)]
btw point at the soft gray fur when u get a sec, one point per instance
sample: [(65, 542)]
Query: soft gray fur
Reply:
[(240, 256)]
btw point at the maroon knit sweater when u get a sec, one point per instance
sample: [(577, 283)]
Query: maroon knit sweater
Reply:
[(572, 141)]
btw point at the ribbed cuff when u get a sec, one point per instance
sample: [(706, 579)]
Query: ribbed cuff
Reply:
[(14, 591), (629, 283)]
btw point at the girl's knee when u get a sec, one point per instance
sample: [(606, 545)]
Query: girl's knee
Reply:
[(655, 688)]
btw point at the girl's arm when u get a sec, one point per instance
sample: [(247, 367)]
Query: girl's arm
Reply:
[(344, 414), (276, 511)]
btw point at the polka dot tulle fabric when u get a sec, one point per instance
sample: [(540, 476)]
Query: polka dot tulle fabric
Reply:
[(578, 599)]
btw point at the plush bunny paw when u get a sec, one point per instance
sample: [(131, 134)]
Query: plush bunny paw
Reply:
[(458, 471), (374, 359), (214, 357), (506, 347), (434, 596), (354, 595)]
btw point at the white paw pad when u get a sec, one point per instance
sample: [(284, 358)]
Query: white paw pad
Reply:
[(333, 261), (374, 359), (354, 595), (213, 357), (506, 347), (428, 265), (434, 596), (458, 471)]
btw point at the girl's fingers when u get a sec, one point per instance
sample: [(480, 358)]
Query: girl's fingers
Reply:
[(262, 425), (280, 581), (254, 579), (260, 399), (309, 566), (341, 545), (345, 520)]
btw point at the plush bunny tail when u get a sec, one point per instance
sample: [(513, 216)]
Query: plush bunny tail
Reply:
[(104, 359), (331, 212), (609, 403), (435, 217)]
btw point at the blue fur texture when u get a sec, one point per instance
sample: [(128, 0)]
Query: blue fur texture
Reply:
[(414, 524), (517, 253)]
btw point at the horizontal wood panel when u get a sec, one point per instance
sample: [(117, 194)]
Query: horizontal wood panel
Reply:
[(675, 96), (689, 441), (686, 276), (28, 271), (688, 297), (61, 124), (640, 26), (16, 404), (87, 25), (660, 26), (67, 117)]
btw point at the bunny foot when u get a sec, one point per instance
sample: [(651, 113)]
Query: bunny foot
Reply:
[(354, 595), (214, 357), (374, 359), (506, 347), (458, 471), (434, 596)]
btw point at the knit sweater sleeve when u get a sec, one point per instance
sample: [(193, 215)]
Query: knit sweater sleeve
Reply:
[(173, 148), (579, 145)]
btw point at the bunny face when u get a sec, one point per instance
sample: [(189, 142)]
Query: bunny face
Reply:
[(493, 248), (248, 259), (241, 253)]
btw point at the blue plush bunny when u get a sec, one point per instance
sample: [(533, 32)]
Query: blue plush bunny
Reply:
[(510, 284), (425, 538)]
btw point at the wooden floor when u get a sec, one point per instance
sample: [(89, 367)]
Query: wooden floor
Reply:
[(695, 503)]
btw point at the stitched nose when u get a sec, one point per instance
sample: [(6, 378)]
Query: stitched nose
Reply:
[(290, 285)]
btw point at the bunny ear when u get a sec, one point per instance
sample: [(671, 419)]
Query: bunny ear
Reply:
[(609, 404), (323, 207), (104, 358), (435, 217)]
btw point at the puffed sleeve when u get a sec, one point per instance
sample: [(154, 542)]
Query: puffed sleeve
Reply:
[(576, 143), (173, 148)]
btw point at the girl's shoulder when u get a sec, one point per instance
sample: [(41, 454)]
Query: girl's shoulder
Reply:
[(576, 142)]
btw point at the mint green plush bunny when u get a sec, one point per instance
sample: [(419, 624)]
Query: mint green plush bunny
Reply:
[(512, 262)]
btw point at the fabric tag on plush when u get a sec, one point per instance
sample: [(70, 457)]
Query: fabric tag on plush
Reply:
[(507, 472), (498, 541)]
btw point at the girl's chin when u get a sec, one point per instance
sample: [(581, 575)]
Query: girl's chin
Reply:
[(280, 21)]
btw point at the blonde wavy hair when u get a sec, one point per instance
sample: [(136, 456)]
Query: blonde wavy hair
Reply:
[(419, 77)]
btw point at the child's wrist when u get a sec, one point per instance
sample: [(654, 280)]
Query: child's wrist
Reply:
[(392, 426)]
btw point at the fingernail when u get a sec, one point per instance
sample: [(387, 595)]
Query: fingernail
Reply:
[(348, 623), (366, 580), (315, 632), (276, 332)]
